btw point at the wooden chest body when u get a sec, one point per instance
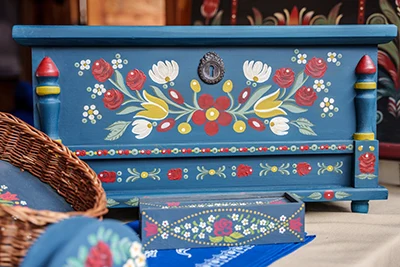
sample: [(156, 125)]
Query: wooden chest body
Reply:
[(187, 110)]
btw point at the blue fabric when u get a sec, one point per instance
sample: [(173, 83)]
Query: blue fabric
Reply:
[(254, 256)]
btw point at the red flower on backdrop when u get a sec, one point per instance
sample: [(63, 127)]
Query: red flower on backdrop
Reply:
[(174, 174), (209, 8), (135, 79), (223, 227), (176, 96), (113, 99), (99, 256), (166, 125), (284, 77), (9, 196), (305, 96), (212, 113), (173, 204), (367, 163), (295, 224), (102, 70), (244, 95), (151, 229), (107, 176), (316, 67), (256, 124), (329, 194), (244, 170), (303, 168)]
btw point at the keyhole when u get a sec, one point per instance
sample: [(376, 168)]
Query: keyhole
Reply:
[(211, 71)]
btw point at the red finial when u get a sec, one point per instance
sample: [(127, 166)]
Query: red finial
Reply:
[(365, 66), (47, 68)]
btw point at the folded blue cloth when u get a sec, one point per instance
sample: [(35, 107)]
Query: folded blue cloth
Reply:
[(254, 256)]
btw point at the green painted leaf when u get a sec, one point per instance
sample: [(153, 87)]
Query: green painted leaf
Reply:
[(362, 176), (216, 239), (228, 239), (114, 240), (111, 202), (218, 18), (392, 50), (100, 233), (307, 131), (116, 254), (107, 235), (236, 235), (195, 223), (303, 122), (256, 96), (298, 82), (117, 130), (83, 253), (129, 109), (315, 195), (73, 262), (296, 195), (121, 83), (254, 219), (389, 12), (92, 240), (134, 202), (291, 106), (333, 14), (341, 195)]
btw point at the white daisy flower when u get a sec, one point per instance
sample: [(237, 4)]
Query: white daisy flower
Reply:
[(271, 225), (85, 64), (164, 236), (99, 89), (188, 226), (253, 227), (201, 235), (23, 203), (165, 223), (319, 85), (4, 187), (235, 217), (327, 104), (263, 222), (258, 71), (211, 218), (117, 63), (282, 230), (238, 227), (177, 230), (164, 72), (90, 112), (263, 229), (245, 222), (187, 234), (282, 218), (195, 229), (202, 225), (135, 249), (301, 58), (331, 57), (246, 232), (209, 229)]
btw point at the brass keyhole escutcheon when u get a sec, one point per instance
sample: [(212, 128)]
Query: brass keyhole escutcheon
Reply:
[(211, 68)]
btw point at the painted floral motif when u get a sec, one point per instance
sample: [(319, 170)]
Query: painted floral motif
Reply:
[(210, 12), (175, 174), (319, 85), (107, 249), (211, 172), (328, 107), (301, 58), (296, 17), (98, 90), (332, 57), (284, 77), (325, 195), (164, 72), (266, 168), (107, 176), (141, 128), (236, 227), (305, 96), (90, 113), (303, 168), (83, 65), (367, 166), (330, 168), (9, 199), (135, 175), (244, 170), (256, 72)]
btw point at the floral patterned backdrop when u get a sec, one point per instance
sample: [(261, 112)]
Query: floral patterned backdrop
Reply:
[(311, 12)]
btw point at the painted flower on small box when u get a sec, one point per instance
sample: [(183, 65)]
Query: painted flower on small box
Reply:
[(151, 229), (99, 256), (244, 170), (303, 168), (329, 194), (107, 176), (9, 199), (223, 227), (366, 166), (174, 174)]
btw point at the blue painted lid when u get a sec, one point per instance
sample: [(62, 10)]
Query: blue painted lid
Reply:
[(203, 35)]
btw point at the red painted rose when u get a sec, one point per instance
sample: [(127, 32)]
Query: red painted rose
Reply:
[(295, 224), (367, 163), (305, 96), (135, 79), (151, 229), (9, 196), (107, 177), (329, 194), (102, 70), (209, 8), (303, 168), (113, 99), (316, 67), (173, 204), (223, 227), (99, 256), (284, 77), (175, 174), (244, 170)]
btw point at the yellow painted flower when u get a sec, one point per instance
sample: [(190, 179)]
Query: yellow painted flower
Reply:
[(228, 86), (274, 169), (195, 85), (268, 106), (212, 114), (329, 168), (156, 108), (144, 175), (239, 126), (211, 172), (184, 128), (371, 148)]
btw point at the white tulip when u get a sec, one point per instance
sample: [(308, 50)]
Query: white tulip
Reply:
[(257, 72), (164, 72), (142, 128), (279, 125)]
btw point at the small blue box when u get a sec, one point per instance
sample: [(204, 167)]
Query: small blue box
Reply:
[(232, 220)]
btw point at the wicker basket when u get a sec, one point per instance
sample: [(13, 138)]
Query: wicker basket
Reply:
[(53, 163)]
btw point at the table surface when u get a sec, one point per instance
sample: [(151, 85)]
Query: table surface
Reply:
[(343, 238)]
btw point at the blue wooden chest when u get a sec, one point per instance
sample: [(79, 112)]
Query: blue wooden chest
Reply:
[(187, 110)]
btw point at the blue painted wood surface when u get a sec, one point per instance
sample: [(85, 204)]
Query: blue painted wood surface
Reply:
[(134, 107), (244, 220)]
